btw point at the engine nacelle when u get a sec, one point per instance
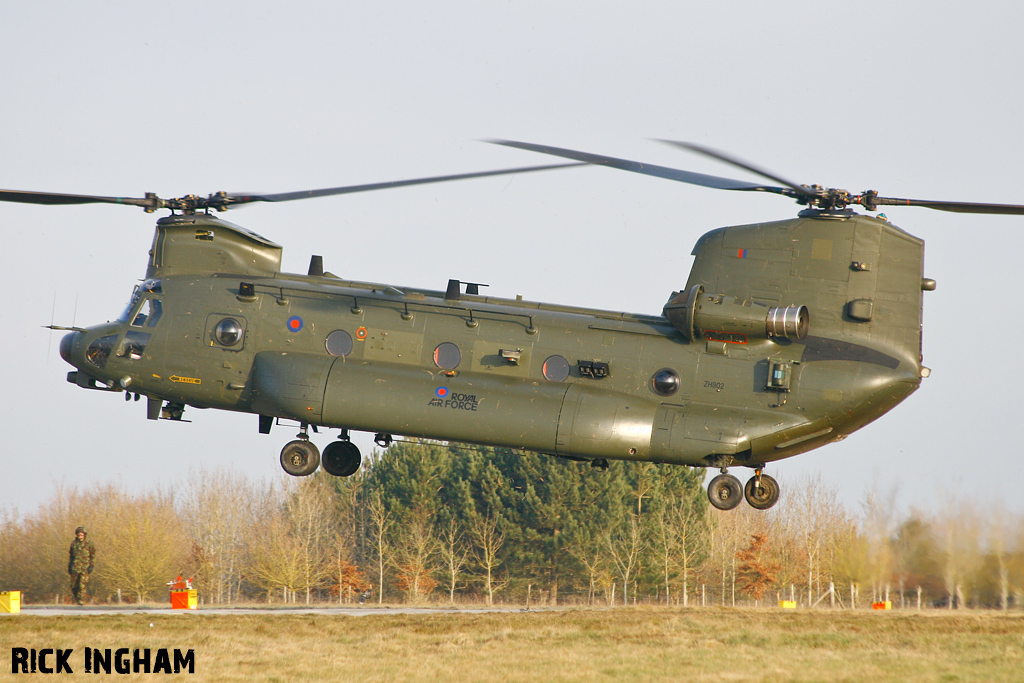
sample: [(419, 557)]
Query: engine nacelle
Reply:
[(719, 317)]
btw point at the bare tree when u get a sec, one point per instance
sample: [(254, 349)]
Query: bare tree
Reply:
[(217, 508), (625, 543), (998, 543), (814, 516), (309, 510), (879, 528), (852, 563), (148, 548), (454, 554), (381, 523), (664, 542), (961, 556), (274, 562), (592, 556), (676, 540), (691, 539), (727, 530), (414, 548), (488, 539)]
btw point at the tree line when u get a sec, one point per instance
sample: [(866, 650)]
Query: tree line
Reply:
[(430, 522)]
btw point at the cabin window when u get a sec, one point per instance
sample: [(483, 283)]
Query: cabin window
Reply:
[(556, 369), (339, 343), (447, 356), (665, 382), (228, 332)]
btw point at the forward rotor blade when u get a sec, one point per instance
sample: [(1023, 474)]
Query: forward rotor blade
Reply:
[(223, 200), (326, 192), (721, 156), (956, 207), (23, 197), (665, 172)]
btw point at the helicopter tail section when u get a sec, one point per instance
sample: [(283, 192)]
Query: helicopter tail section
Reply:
[(846, 291)]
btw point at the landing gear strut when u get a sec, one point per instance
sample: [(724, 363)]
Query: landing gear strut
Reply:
[(300, 458), (761, 491), (342, 457)]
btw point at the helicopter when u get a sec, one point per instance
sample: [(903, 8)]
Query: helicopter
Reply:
[(788, 335)]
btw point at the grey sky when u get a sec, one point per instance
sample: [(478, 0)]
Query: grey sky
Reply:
[(912, 99)]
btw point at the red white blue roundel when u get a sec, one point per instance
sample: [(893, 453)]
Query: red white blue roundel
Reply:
[(294, 323), (441, 392)]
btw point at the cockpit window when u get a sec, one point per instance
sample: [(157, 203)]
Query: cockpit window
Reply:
[(147, 287), (148, 314), (133, 345), (136, 295), (99, 350)]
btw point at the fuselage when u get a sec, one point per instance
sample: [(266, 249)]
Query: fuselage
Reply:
[(217, 325)]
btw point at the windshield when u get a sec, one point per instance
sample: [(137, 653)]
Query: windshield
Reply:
[(134, 299), (150, 310)]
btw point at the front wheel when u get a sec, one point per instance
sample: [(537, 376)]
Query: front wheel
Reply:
[(300, 458), (725, 492)]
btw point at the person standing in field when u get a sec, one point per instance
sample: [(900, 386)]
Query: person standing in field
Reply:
[(81, 557)]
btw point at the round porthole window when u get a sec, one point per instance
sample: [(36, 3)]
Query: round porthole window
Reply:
[(339, 343), (228, 332), (556, 369), (665, 382), (447, 356)]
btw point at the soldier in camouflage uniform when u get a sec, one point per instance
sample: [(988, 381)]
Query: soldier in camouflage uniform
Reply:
[(81, 556)]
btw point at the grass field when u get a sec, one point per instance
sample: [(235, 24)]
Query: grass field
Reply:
[(639, 644)]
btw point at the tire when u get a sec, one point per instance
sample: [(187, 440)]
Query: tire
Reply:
[(725, 492), (764, 495), (341, 459), (300, 458)]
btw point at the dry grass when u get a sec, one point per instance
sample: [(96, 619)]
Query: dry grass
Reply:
[(638, 644)]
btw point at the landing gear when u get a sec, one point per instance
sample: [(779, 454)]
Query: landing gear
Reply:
[(300, 458), (761, 491), (341, 458), (725, 491)]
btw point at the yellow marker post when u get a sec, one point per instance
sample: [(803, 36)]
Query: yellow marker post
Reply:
[(10, 602)]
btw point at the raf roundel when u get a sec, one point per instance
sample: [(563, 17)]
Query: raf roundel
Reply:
[(441, 392), (294, 324)]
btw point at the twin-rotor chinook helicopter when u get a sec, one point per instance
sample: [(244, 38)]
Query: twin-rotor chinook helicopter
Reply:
[(787, 336)]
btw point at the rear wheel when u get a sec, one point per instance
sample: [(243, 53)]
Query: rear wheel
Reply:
[(725, 492), (761, 492), (341, 458), (300, 458)]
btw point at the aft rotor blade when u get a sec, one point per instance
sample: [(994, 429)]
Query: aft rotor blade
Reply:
[(665, 172), (328, 191), (956, 207), (24, 197), (721, 156)]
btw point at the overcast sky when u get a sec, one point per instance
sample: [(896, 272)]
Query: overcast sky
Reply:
[(913, 99)]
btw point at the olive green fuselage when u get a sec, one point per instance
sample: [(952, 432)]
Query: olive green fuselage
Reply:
[(454, 366)]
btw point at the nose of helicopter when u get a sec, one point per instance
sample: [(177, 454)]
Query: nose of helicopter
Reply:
[(67, 345)]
